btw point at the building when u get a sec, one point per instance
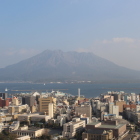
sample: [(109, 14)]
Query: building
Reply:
[(111, 104), (4, 102), (26, 117), (132, 116), (131, 106), (117, 96), (70, 128), (37, 118), (98, 135), (3, 95), (23, 138), (18, 109), (15, 101), (84, 109), (62, 119), (32, 132), (120, 105), (118, 129), (115, 110), (47, 106), (29, 100), (14, 126)]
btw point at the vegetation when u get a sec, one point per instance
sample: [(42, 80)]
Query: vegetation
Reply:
[(78, 135), (5, 135), (24, 123)]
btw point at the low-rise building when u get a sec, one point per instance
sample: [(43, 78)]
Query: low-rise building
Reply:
[(70, 128), (36, 118), (14, 126), (32, 132), (118, 129), (97, 135), (17, 108), (26, 117)]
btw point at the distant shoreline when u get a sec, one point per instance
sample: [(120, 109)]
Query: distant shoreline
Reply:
[(70, 82)]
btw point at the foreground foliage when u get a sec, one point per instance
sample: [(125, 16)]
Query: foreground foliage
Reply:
[(5, 135)]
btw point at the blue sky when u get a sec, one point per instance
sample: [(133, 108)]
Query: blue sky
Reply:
[(108, 28)]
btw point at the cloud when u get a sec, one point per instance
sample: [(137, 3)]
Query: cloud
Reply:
[(122, 51), (120, 40), (126, 40)]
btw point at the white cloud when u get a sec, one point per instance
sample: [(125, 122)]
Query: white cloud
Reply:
[(119, 40), (122, 51), (125, 39)]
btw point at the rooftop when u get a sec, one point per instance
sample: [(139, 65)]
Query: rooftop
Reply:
[(111, 126)]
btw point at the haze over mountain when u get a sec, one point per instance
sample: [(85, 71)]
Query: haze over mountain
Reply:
[(66, 66)]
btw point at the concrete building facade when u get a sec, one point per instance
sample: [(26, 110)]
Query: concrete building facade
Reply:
[(47, 106), (70, 128), (84, 109), (100, 135)]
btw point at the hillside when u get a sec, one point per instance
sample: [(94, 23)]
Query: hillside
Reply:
[(61, 66)]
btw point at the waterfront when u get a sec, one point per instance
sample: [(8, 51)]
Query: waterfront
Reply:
[(89, 90)]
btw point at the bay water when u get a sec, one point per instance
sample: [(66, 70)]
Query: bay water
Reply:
[(88, 90)]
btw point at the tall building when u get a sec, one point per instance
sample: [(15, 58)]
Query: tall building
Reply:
[(120, 105), (4, 102), (47, 106), (133, 97), (29, 100), (111, 108), (115, 110), (3, 95)]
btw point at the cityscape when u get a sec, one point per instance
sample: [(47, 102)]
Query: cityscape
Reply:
[(55, 115), (69, 70)]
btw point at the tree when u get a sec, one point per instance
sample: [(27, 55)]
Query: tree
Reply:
[(12, 137), (42, 121), (5, 135)]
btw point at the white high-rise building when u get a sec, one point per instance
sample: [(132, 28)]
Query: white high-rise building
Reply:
[(79, 92), (133, 97), (111, 107), (115, 110)]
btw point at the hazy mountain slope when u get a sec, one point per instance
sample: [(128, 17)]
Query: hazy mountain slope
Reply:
[(58, 65)]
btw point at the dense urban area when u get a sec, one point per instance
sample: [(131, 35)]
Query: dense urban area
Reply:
[(56, 115)]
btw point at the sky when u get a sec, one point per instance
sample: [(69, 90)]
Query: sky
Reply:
[(108, 28)]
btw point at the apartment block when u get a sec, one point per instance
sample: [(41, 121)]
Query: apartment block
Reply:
[(70, 128), (3, 95), (120, 105), (4, 102), (47, 106), (84, 109)]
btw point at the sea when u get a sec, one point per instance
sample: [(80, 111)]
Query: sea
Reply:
[(88, 90)]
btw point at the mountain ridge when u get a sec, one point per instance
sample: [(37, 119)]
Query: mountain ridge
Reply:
[(61, 66)]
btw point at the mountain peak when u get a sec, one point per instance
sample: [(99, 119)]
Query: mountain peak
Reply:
[(58, 65)]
